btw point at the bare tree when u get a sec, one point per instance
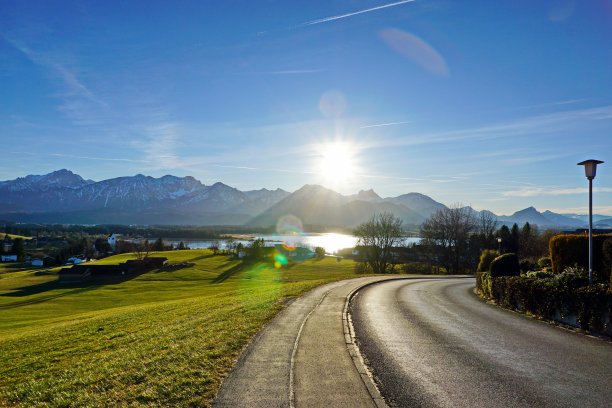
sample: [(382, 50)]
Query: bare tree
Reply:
[(448, 233), (487, 225), (377, 237), (142, 250)]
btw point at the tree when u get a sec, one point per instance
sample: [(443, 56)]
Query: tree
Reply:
[(504, 234), (528, 242), (487, 223), (181, 246), (319, 252), (448, 234), (142, 250), (515, 237), (377, 237), (18, 249), (158, 245)]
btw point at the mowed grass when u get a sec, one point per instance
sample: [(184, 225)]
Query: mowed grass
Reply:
[(162, 338)]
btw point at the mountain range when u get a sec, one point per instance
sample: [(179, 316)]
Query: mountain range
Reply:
[(65, 197)]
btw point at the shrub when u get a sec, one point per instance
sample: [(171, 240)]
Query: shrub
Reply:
[(362, 268), (505, 265), (544, 262), (573, 277), (417, 267), (486, 257), (526, 265), (539, 274), (483, 284), (570, 250)]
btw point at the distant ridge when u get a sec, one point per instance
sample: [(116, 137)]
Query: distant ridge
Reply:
[(65, 197)]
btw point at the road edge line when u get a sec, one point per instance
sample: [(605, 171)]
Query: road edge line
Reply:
[(349, 336)]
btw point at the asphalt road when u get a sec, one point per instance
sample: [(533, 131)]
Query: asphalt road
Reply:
[(432, 343)]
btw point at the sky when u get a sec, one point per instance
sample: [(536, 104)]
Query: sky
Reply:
[(488, 104)]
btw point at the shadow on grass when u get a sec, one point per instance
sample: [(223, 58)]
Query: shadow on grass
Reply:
[(199, 258), (73, 288), (223, 276)]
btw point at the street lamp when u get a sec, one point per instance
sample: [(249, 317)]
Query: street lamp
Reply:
[(499, 246), (590, 169)]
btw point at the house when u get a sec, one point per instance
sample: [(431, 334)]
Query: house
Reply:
[(112, 241), (8, 258), (85, 272), (7, 244), (37, 262), (296, 254)]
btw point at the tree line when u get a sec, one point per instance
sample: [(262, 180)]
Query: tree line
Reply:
[(452, 239)]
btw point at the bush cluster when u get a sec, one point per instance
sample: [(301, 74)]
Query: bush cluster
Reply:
[(505, 265), (544, 262), (565, 294), (486, 257), (571, 250)]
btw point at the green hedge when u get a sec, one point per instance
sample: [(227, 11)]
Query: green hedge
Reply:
[(505, 265), (571, 250), (548, 297)]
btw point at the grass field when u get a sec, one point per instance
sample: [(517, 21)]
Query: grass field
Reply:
[(13, 236), (162, 338)]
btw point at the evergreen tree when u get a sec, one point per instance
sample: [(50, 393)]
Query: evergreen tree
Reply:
[(515, 236), (504, 234), (18, 249), (158, 245)]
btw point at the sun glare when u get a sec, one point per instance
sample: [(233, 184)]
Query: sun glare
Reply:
[(337, 162)]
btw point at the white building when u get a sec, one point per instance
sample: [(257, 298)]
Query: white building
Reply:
[(112, 241)]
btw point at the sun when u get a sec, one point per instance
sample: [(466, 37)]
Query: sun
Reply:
[(337, 162)]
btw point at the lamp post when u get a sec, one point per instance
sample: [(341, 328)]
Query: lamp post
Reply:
[(590, 169), (499, 246)]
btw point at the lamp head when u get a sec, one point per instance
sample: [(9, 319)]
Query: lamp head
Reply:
[(590, 168)]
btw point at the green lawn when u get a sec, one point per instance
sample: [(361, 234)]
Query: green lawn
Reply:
[(162, 338)]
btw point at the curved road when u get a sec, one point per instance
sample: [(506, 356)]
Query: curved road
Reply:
[(432, 343)]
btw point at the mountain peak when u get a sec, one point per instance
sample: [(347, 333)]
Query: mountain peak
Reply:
[(367, 195)]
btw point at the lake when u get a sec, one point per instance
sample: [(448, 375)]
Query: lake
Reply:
[(332, 242)]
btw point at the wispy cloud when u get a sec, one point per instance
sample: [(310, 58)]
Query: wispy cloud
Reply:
[(159, 145), (292, 72), (552, 191), (354, 13), (530, 125), (111, 159), (78, 100), (69, 78), (385, 124)]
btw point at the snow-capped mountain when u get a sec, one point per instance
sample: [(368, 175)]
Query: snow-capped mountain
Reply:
[(65, 197), (64, 192)]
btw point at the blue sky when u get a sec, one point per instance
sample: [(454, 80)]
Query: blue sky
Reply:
[(489, 104)]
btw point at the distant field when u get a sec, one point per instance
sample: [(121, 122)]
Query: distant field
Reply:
[(13, 236), (162, 338)]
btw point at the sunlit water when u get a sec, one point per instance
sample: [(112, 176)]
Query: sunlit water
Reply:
[(332, 242)]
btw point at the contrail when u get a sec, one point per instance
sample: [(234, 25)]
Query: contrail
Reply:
[(338, 17), (385, 124)]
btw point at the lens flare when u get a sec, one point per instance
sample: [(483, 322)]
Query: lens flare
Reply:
[(290, 225), (280, 260)]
